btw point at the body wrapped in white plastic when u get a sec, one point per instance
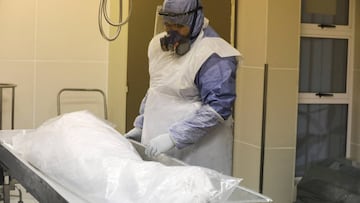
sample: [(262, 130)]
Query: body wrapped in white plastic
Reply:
[(89, 157)]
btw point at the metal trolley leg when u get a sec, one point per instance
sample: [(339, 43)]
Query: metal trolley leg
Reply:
[(6, 187), (12, 87), (4, 176)]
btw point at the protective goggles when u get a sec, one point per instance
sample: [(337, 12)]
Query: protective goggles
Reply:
[(172, 14), (179, 18)]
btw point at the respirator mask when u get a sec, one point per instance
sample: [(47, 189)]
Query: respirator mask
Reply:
[(175, 42)]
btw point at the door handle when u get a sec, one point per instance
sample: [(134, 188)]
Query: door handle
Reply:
[(320, 94), (322, 26)]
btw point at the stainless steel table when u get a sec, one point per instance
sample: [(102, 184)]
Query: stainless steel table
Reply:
[(45, 189)]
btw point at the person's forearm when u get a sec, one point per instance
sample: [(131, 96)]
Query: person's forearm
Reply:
[(190, 130)]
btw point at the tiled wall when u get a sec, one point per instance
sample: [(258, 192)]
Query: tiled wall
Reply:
[(117, 74), (47, 45), (251, 42), (355, 142), (281, 117), (267, 34)]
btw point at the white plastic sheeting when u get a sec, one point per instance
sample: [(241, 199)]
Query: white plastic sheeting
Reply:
[(87, 156)]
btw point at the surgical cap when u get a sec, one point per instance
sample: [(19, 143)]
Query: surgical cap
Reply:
[(183, 6)]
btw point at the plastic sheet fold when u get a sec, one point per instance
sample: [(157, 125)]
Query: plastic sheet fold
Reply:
[(90, 158)]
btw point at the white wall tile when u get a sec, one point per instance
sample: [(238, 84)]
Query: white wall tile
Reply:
[(17, 29), (68, 30)]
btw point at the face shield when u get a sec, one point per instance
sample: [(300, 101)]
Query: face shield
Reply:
[(159, 23)]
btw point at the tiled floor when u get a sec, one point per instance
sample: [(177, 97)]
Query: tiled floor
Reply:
[(26, 197)]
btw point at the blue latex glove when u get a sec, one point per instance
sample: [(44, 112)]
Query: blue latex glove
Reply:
[(134, 134), (159, 144)]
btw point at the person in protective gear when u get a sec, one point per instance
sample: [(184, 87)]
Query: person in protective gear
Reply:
[(187, 110)]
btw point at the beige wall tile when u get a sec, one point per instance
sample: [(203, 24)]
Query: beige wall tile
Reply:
[(248, 106), (355, 152), (62, 31), (52, 77), (357, 36), (355, 138), (266, 29), (281, 115), (279, 174), (246, 164), (356, 94), (21, 74), (355, 131), (117, 74), (68, 30), (251, 25), (283, 33), (17, 33)]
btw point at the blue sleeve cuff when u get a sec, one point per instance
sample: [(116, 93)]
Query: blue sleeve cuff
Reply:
[(190, 130)]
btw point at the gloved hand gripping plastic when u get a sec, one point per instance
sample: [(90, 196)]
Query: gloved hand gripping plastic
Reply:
[(159, 144)]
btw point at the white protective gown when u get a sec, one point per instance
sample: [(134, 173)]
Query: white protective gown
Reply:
[(173, 96)]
